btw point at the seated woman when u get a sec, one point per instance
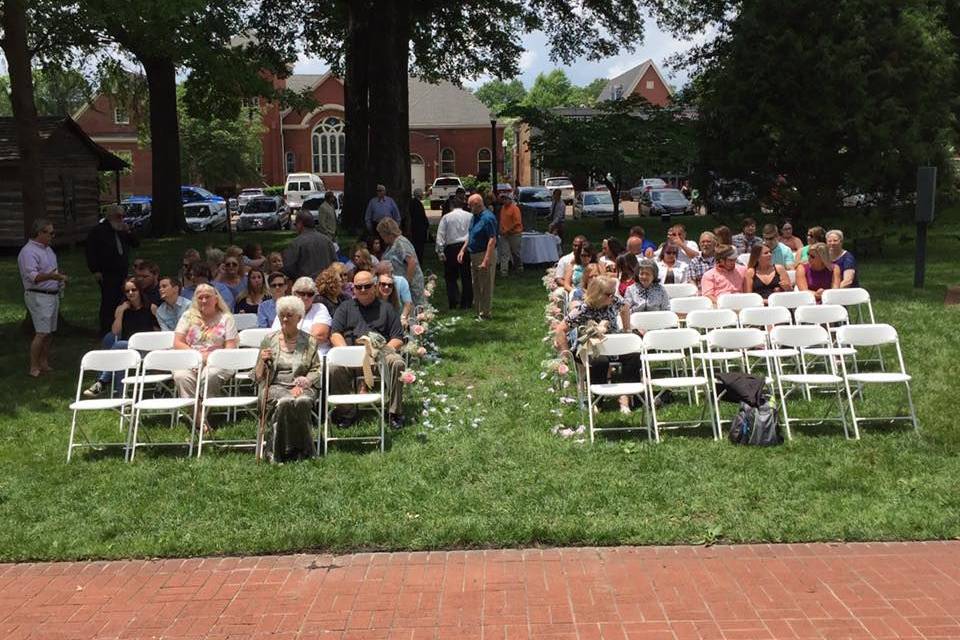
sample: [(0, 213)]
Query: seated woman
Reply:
[(670, 269), (601, 304), (133, 315), (361, 260), (843, 259), (592, 271), (646, 293), (375, 246), (289, 373), (330, 287), (232, 277), (626, 272), (250, 300), (206, 326), (574, 273), (764, 277), (315, 319), (274, 261), (786, 237), (814, 235), (404, 302), (819, 273), (609, 252), (267, 311)]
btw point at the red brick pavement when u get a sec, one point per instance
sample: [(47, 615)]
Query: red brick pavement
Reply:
[(877, 590)]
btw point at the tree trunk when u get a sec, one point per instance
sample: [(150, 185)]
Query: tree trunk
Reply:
[(356, 190), (389, 147), (17, 52), (167, 217), (614, 188)]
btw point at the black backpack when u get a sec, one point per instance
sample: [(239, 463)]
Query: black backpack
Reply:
[(758, 426)]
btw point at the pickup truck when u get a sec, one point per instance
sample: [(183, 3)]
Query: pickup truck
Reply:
[(564, 184), (442, 188)]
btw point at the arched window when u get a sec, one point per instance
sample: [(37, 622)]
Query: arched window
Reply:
[(448, 161), (291, 162), (329, 144), (483, 162)]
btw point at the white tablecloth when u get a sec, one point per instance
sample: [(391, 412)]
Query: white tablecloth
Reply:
[(538, 248)]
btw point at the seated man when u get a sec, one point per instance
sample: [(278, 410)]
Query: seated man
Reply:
[(354, 319)]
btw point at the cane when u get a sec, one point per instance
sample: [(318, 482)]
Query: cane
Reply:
[(262, 421)]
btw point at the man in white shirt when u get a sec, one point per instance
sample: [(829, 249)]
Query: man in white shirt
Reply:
[(316, 319), (687, 250), (451, 234), (566, 260)]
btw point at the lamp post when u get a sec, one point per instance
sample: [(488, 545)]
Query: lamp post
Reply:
[(503, 143), (493, 152)]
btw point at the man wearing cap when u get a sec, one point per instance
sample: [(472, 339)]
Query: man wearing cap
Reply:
[(482, 245), (42, 282), (511, 234)]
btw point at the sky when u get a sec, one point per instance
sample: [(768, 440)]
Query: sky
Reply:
[(657, 46)]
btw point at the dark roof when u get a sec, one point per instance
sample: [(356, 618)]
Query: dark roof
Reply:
[(48, 125)]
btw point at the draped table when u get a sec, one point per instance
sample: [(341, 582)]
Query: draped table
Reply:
[(539, 248)]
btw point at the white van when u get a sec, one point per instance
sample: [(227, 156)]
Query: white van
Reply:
[(301, 186)]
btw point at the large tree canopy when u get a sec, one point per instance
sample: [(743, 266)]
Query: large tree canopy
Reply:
[(57, 91)]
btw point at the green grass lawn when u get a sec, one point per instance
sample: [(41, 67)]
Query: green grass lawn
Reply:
[(489, 472)]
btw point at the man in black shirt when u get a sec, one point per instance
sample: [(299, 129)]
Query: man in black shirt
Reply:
[(108, 258), (354, 319)]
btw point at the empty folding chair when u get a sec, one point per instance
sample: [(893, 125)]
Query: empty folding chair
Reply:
[(791, 299), (614, 345), (765, 318), (801, 338), (854, 297), (681, 289), (739, 301), (245, 321), (231, 360), (145, 342), (730, 341), (707, 320), (875, 335), (828, 316), (119, 361), (351, 357), (251, 338), (167, 361), (683, 306), (644, 321), (663, 341)]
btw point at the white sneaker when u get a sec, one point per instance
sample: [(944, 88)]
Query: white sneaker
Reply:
[(94, 390)]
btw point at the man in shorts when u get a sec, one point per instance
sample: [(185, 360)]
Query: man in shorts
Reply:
[(42, 282)]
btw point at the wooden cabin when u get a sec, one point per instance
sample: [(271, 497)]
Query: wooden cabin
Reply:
[(71, 163)]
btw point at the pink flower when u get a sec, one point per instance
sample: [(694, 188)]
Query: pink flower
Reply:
[(563, 369), (422, 351), (408, 377), (418, 329)]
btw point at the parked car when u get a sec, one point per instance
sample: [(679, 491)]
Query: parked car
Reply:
[(442, 188), (264, 212), (592, 204), (535, 201), (564, 184), (658, 202), (645, 185), (205, 216), (301, 186), (136, 212), (313, 203), (246, 195), (190, 194)]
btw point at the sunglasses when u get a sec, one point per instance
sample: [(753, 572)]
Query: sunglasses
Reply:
[(129, 290), (363, 287), (303, 294), (386, 284), (278, 284)]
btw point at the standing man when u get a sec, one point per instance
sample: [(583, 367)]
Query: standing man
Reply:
[(419, 224), (108, 258), (42, 282), (511, 235), (558, 213), (381, 206), (310, 252), (482, 245), (451, 234), (451, 203), (327, 215)]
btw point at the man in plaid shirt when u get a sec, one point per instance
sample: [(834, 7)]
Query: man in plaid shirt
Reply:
[(747, 240), (706, 260)]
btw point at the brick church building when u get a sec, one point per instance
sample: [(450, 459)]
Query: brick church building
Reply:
[(450, 133)]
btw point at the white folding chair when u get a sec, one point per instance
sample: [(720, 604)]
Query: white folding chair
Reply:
[(351, 357), (644, 321), (231, 360), (791, 299), (167, 361), (251, 338), (683, 306), (765, 318), (792, 274), (615, 344), (114, 361), (854, 297), (145, 342), (680, 289), (801, 338), (663, 341), (245, 321), (730, 341), (739, 301), (875, 335)]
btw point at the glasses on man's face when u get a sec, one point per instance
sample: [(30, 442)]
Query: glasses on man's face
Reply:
[(363, 286), (303, 294), (278, 284)]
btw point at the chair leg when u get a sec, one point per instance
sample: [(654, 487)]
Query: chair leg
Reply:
[(590, 414), (133, 436), (203, 421), (913, 411), (783, 406), (843, 413), (73, 430), (853, 413)]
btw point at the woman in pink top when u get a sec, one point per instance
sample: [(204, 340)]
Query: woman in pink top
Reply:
[(726, 277)]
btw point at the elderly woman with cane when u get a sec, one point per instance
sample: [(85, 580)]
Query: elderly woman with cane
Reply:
[(289, 372)]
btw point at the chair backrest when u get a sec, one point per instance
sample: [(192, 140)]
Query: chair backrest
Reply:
[(846, 297), (346, 356), (866, 335), (618, 344), (736, 339), (711, 319), (691, 303), (821, 314), (110, 360), (764, 316), (738, 301), (151, 341), (681, 289), (233, 359), (671, 339), (172, 360), (792, 274), (245, 320), (650, 320), (800, 336), (791, 299), (252, 338)]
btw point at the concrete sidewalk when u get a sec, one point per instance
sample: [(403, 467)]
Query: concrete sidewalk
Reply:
[(876, 590)]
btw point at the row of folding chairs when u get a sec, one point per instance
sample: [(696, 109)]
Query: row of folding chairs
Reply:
[(146, 390), (796, 358)]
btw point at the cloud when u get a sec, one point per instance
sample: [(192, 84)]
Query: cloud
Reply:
[(527, 60)]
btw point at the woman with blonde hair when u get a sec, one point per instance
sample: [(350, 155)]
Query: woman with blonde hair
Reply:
[(330, 287), (819, 273), (402, 254)]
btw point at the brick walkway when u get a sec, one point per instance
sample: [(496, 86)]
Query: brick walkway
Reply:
[(878, 590)]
